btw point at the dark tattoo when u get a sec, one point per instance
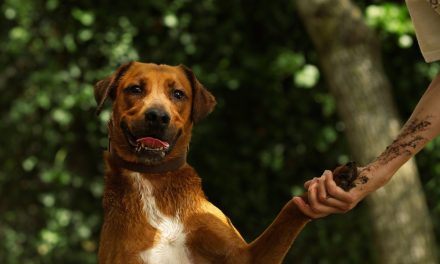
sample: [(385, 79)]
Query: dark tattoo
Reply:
[(363, 179), (407, 141)]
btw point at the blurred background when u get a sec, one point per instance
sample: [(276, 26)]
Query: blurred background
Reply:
[(299, 84)]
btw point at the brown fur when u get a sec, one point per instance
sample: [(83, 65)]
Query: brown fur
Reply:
[(210, 236)]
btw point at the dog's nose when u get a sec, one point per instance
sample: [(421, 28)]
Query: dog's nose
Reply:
[(157, 117)]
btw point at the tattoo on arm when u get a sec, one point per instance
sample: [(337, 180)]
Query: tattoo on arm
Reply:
[(407, 141)]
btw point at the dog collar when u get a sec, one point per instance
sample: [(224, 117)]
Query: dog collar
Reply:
[(168, 166)]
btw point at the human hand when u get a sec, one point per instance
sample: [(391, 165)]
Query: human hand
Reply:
[(324, 197)]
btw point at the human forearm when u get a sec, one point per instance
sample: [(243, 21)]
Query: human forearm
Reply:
[(428, 110), (421, 127)]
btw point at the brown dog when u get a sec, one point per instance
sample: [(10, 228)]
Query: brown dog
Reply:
[(154, 208)]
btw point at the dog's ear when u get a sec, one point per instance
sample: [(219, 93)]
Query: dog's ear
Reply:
[(203, 102), (106, 87)]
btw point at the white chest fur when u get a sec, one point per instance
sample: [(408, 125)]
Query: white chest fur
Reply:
[(170, 239)]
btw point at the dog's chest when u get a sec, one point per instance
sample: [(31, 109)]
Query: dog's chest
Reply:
[(170, 239)]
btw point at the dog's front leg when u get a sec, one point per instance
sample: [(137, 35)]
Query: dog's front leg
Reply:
[(272, 246)]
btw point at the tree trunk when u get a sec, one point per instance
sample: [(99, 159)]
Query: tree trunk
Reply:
[(350, 59)]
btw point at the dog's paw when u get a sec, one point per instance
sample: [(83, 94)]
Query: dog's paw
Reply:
[(346, 175)]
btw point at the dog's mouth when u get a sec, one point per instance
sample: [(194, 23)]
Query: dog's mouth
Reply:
[(146, 143), (151, 144)]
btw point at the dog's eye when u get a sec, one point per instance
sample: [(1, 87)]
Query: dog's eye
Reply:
[(178, 94), (134, 89)]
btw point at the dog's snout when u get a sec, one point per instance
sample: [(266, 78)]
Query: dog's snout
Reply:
[(157, 117)]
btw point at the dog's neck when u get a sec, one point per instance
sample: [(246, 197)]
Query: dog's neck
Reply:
[(169, 165), (173, 191)]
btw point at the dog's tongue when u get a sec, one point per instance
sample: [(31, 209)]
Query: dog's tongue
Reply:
[(153, 143)]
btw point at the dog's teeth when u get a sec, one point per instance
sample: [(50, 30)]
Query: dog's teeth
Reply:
[(140, 147)]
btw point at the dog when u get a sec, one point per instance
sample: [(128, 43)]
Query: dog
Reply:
[(155, 210)]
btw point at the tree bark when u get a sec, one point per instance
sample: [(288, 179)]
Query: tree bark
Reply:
[(351, 63)]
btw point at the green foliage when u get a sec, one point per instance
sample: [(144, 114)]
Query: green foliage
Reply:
[(391, 18), (266, 137)]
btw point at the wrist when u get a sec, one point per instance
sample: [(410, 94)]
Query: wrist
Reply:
[(378, 174)]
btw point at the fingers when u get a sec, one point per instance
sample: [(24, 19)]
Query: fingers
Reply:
[(307, 183), (335, 191), (306, 209), (322, 192), (316, 203), (325, 197)]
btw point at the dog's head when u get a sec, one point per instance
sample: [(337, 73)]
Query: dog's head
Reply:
[(154, 109)]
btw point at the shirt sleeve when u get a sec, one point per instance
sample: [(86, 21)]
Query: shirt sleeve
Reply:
[(427, 26)]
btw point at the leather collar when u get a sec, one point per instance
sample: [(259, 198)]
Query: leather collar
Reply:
[(167, 166)]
